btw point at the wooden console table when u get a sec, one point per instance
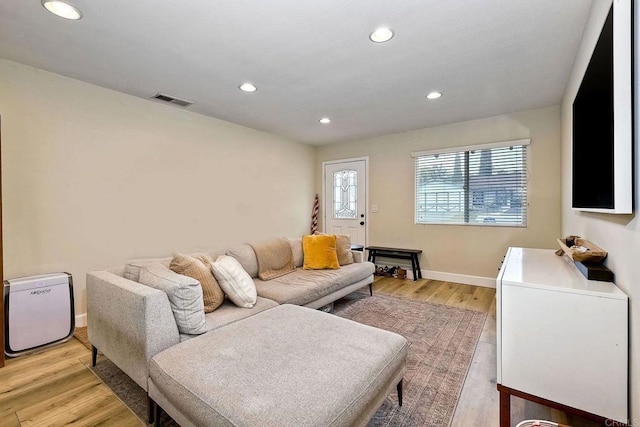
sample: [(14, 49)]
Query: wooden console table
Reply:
[(562, 340), (505, 408), (398, 253)]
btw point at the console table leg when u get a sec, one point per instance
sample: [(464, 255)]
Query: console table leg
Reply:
[(418, 266), (414, 269), (505, 409)]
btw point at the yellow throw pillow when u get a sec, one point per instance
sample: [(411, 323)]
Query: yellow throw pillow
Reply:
[(319, 252), (199, 268)]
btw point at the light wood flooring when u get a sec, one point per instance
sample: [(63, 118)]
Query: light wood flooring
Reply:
[(55, 387)]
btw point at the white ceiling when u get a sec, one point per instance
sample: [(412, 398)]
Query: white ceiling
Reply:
[(312, 59)]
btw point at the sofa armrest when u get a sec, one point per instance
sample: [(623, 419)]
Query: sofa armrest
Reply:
[(358, 256), (128, 322)]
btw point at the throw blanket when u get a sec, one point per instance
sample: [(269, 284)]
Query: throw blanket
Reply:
[(275, 258)]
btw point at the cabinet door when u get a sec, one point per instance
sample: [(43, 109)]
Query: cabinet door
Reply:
[(566, 347)]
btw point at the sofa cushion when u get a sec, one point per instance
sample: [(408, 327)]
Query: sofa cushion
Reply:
[(246, 257), (132, 268), (301, 287), (343, 249), (235, 281), (319, 252), (199, 268), (184, 293), (228, 313), (296, 249)]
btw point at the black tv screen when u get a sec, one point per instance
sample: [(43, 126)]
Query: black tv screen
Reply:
[(593, 136), (602, 149)]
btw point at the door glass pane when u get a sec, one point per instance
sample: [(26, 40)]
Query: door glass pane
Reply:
[(345, 191)]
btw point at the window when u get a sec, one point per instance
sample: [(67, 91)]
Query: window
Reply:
[(480, 185)]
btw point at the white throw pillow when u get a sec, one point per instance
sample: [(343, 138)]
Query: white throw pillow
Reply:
[(234, 281), (185, 296)]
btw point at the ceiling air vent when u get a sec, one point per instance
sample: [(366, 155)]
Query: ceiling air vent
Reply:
[(172, 100)]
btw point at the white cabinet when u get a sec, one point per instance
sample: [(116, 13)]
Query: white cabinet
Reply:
[(561, 337)]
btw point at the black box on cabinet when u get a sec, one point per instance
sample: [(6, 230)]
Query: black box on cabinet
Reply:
[(595, 271)]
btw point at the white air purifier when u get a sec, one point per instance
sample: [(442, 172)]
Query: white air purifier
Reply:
[(38, 312)]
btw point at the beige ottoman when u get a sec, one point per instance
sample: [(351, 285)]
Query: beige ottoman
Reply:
[(286, 366)]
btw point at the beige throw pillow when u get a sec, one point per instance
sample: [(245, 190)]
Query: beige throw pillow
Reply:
[(234, 281), (198, 266), (343, 249), (274, 257)]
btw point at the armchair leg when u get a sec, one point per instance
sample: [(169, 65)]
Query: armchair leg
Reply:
[(371, 288), (94, 355), (399, 388)]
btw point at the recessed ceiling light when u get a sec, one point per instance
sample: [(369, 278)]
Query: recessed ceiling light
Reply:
[(434, 95), (381, 35), (62, 9), (325, 120), (247, 87)]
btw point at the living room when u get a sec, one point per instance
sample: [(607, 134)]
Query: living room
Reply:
[(93, 177)]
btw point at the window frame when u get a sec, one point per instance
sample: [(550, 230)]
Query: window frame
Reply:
[(465, 151)]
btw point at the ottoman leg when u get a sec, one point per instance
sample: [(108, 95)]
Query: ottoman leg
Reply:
[(399, 388)]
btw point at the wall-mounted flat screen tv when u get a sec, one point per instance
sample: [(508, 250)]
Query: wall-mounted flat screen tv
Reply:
[(602, 158)]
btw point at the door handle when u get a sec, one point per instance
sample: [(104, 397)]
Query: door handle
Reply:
[(361, 222)]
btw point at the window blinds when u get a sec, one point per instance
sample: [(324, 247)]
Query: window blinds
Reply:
[(481, 185)]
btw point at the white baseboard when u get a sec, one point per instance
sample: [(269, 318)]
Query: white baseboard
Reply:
[(81, 320), (487, 282)]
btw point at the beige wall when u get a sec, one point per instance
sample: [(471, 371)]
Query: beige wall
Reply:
[(93, 177), (463, 250), (618, 234)]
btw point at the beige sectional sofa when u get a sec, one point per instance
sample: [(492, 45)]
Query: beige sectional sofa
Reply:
[(131, 323)]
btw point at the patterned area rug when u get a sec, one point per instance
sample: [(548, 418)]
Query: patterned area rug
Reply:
[(442, 342)]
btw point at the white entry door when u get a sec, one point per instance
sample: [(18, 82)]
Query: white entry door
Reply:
[(345, 199)]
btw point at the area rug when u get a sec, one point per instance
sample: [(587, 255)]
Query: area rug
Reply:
[(442, 342)]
